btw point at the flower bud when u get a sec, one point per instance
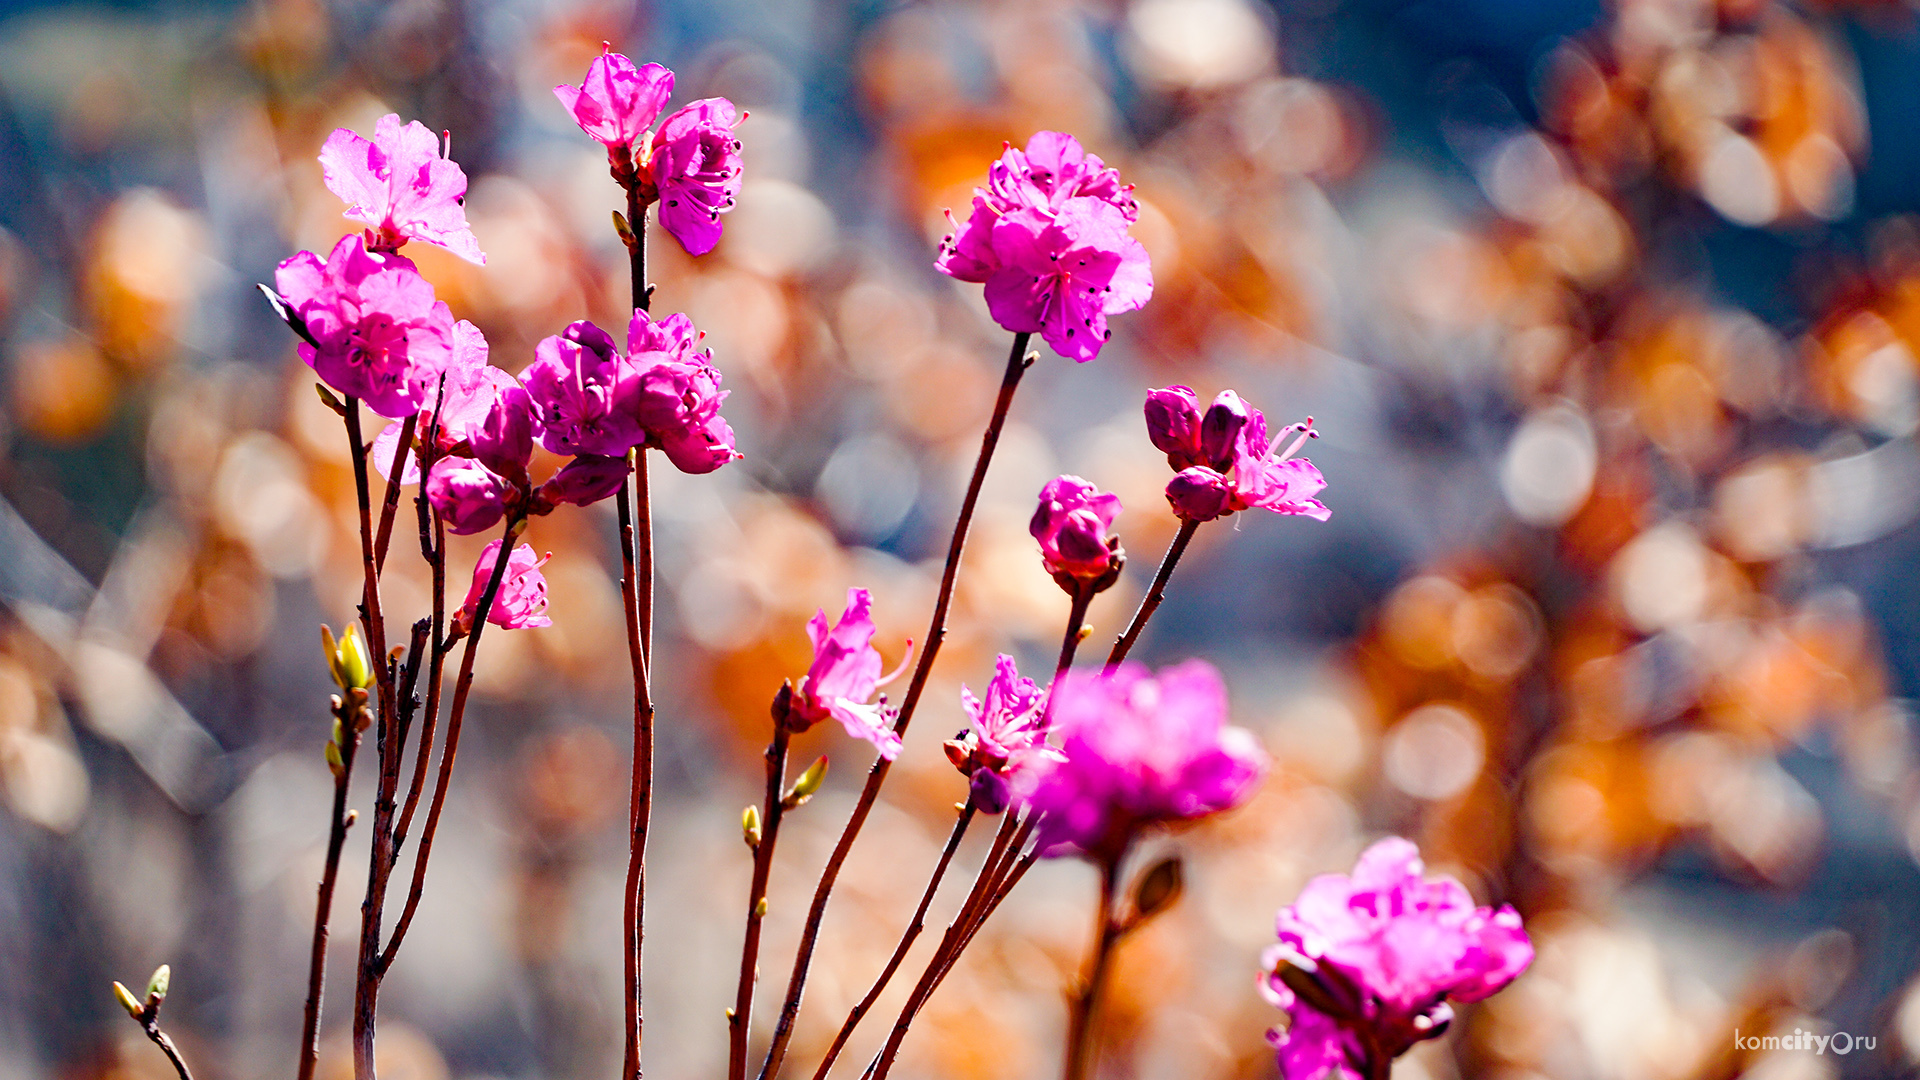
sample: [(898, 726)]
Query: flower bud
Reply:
[(157, 985), (1199, 494), (347, 657), (335, 763), (1071, 523), (1157, 889), (128, 1002), (750, 826), (1220, 430), (1173, 423), (583, 481), (804, 788)]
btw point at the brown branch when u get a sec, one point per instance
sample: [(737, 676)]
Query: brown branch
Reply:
[(1107, 931), (336, 839), (907, 939), (149, 1020), (392, 501), (636, 594), (1154, 595), (740, 1017), (1017, 363)]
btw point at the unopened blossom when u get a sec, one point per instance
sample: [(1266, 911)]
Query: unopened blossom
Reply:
[(1140, 750), (1226, 462), (469, 497), (617, 102), (695, 165), (582, 390), (676, 393), (379, 333), (691, 165), (845, 675), (1048, 238), (1072, 524), (1007, 732), (1369, 965), (581, 482), (401, 185), (484, 413), (522, 598)]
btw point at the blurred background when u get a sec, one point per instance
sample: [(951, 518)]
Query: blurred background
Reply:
[(1609, 311)]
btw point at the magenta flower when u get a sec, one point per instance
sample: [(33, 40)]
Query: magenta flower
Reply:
[(695, 164), (844, 676), (486, 414), (1048, 238), (1139, 750), (583, 481), (1007, 733), (469, 496), (1225, 460), (1072, 523), (691, 165), (1367, 965), (616, 103), (522, 599), (401, 185), (381, 335), (582, 390), (677, 395)]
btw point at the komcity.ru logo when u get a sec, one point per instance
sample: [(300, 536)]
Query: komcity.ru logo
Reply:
[(1839, 1042)]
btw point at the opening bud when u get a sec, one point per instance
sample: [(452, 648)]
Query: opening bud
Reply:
[(347, 657), (127, 1001), (157, 986), (804, 788)]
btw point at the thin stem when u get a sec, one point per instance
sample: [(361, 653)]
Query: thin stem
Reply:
[(1154, 595), (150, 1023), (392, 501), (1017, 364), (633, 587), (462, 685), (740, 1019), (637, 250), (336, 839), (367, 979), (437, 664), (1106, 932), (906, 941)]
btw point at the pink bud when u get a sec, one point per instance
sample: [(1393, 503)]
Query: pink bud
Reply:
[(1220, 430), (469, 496), (1173, 423), (583, 481), (1199, 494), (1072, 523)]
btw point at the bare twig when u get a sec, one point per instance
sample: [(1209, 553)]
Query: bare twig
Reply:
[(1155, 594), (740, 1017)]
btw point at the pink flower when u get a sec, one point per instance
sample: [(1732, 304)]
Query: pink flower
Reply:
[(382, 337), (469, 496), (402, 185), (580, 386), (1007, 733), (1072, 523), (1225, 460), (1367, 965), (522, 598), (1048, 238), (695, 164), (616, 103), (844, 676), (485, 414), (677, 393), (691, 165), (583, 481), (1139, 750)]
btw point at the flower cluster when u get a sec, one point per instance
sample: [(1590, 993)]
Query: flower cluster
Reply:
[(1367, 964), (1007, 733), (1138, 750), (844, 676), (1224, 460), (691, 165), (375, 330), (1048, 238)]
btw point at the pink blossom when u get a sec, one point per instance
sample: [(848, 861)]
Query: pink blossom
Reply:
[(1367, 965), (522, 598), (616, 103), (677, 395), (1139, 750), (583, 481), (381, 335), (582, 389), (485, 414), (1048, 238), (695, 164), (845, 675), (402, 185), (1072, 523), (1226, 462), (469, 496), (1007, 733)]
